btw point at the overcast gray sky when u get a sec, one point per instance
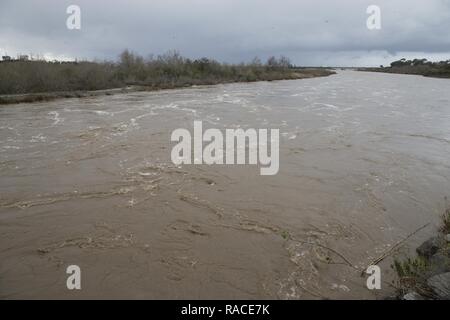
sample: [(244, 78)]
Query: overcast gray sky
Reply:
[(320, 32)]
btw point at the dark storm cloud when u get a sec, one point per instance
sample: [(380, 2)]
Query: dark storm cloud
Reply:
[(310, 32)]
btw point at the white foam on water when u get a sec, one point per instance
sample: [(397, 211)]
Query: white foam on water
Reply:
[(151, 113), (327, 105), (102, 113), (38, 138), (55, 117), (11, 147), (173, 106)]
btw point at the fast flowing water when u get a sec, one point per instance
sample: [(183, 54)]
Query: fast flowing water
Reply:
[(364, 161)]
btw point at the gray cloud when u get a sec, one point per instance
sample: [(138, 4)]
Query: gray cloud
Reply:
[(326, 32)]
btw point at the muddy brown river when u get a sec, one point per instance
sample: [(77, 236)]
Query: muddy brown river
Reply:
[(364, 161)]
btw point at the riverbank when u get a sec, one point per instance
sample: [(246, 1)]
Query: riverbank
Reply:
[(294, 74), (426, 71), (427, 276), (38, 80)]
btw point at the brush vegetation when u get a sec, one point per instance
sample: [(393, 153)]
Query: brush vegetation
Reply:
[(170, 70)]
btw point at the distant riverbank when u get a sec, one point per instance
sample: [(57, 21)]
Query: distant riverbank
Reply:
[(33, 81), (426, 72), (421, 67)]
